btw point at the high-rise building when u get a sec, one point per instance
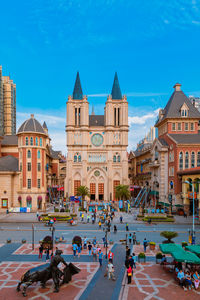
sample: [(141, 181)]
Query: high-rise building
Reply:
[(7, 105), (1, 103)]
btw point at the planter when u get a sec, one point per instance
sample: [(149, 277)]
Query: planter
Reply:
[(152, 247), (141, 257)]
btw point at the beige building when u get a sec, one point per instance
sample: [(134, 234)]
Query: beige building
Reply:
[(97, 144), (7, 105)]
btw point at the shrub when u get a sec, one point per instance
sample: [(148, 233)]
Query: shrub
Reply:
[(141, 255), (152, 243), (169, 235), (184, 244), (159, 255), (67, 210), (56, 209), (73, 215)]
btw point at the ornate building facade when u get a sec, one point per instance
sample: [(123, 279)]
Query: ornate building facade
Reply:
[(97, 144)]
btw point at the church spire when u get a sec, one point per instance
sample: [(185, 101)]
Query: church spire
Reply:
[(116, 92), (77, 93)]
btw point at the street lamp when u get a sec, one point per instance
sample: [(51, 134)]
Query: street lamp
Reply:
[(193, 225), (52, 229)]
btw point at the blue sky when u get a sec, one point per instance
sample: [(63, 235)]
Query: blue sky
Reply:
[(151, 44)]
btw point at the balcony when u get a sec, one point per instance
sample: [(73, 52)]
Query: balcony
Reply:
[(154, 164)]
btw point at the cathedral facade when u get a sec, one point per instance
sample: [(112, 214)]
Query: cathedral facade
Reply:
[(96, 144)]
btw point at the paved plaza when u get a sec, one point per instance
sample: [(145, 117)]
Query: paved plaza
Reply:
[(150, 280)]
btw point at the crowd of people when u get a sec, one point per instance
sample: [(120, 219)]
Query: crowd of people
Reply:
[(186, 278)]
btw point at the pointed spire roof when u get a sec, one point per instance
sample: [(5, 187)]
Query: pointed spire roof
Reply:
[(44, 125), (116, 92), (77, 93)]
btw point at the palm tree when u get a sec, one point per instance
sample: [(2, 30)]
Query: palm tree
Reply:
[(83, 191), (122, 192)]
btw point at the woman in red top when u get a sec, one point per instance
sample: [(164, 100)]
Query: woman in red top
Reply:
[(129, 274)]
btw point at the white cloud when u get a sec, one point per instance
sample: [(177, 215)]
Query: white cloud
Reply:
[(142, 119)]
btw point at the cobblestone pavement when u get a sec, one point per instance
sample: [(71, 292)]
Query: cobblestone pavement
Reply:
[(150, 281)]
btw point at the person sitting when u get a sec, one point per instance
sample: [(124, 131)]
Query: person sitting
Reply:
[(188, 280), (181, 278), (196, 279), (163, 260)]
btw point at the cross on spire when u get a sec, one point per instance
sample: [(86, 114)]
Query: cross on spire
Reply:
[(77, 93), (116, 92)]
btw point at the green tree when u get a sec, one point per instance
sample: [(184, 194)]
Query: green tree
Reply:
[(83, 191), (122, 192)]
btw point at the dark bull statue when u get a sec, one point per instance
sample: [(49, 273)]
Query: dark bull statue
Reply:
[(49, 271)]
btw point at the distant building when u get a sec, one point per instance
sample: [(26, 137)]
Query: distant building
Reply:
[(176, 153), (195, 101), (7, 105), (97, 144), (31, 172)]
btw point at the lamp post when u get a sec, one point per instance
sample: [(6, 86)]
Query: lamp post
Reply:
[(193, 225), (33, 229), (52, 229)]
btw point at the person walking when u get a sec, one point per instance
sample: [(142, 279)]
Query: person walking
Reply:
[(89, 248), (41, 249), (82, 217), (88, 218), (94, 252), (145, 244), (134, 238), (134, 260), (121, 219), (115, 229), (104, 242), (127, 229), (110, 256), (85, 243), (79, 248), (100, 258), (129, 274), (99, 224), (130, 238), (47, 253), (110, 270), (75, 248), (128, 251)]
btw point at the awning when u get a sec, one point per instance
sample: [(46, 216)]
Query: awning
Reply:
[(169, 248), (163, 203), (194, 248), (154, 193), (186, 256)]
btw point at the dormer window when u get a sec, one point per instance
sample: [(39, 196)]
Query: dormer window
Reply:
[(184, 110)]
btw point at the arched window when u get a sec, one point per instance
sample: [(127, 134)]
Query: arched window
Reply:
[(36, 141), (181, 160), (31, 141), (192, 160), (198, 159), (40, 142), (118, 158), (114, 158), (75, 158), (26, 141), (38, 154), (186, 160), (79, 158), (29, 154)]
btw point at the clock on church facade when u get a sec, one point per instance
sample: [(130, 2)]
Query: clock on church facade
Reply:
[(97, 139)]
